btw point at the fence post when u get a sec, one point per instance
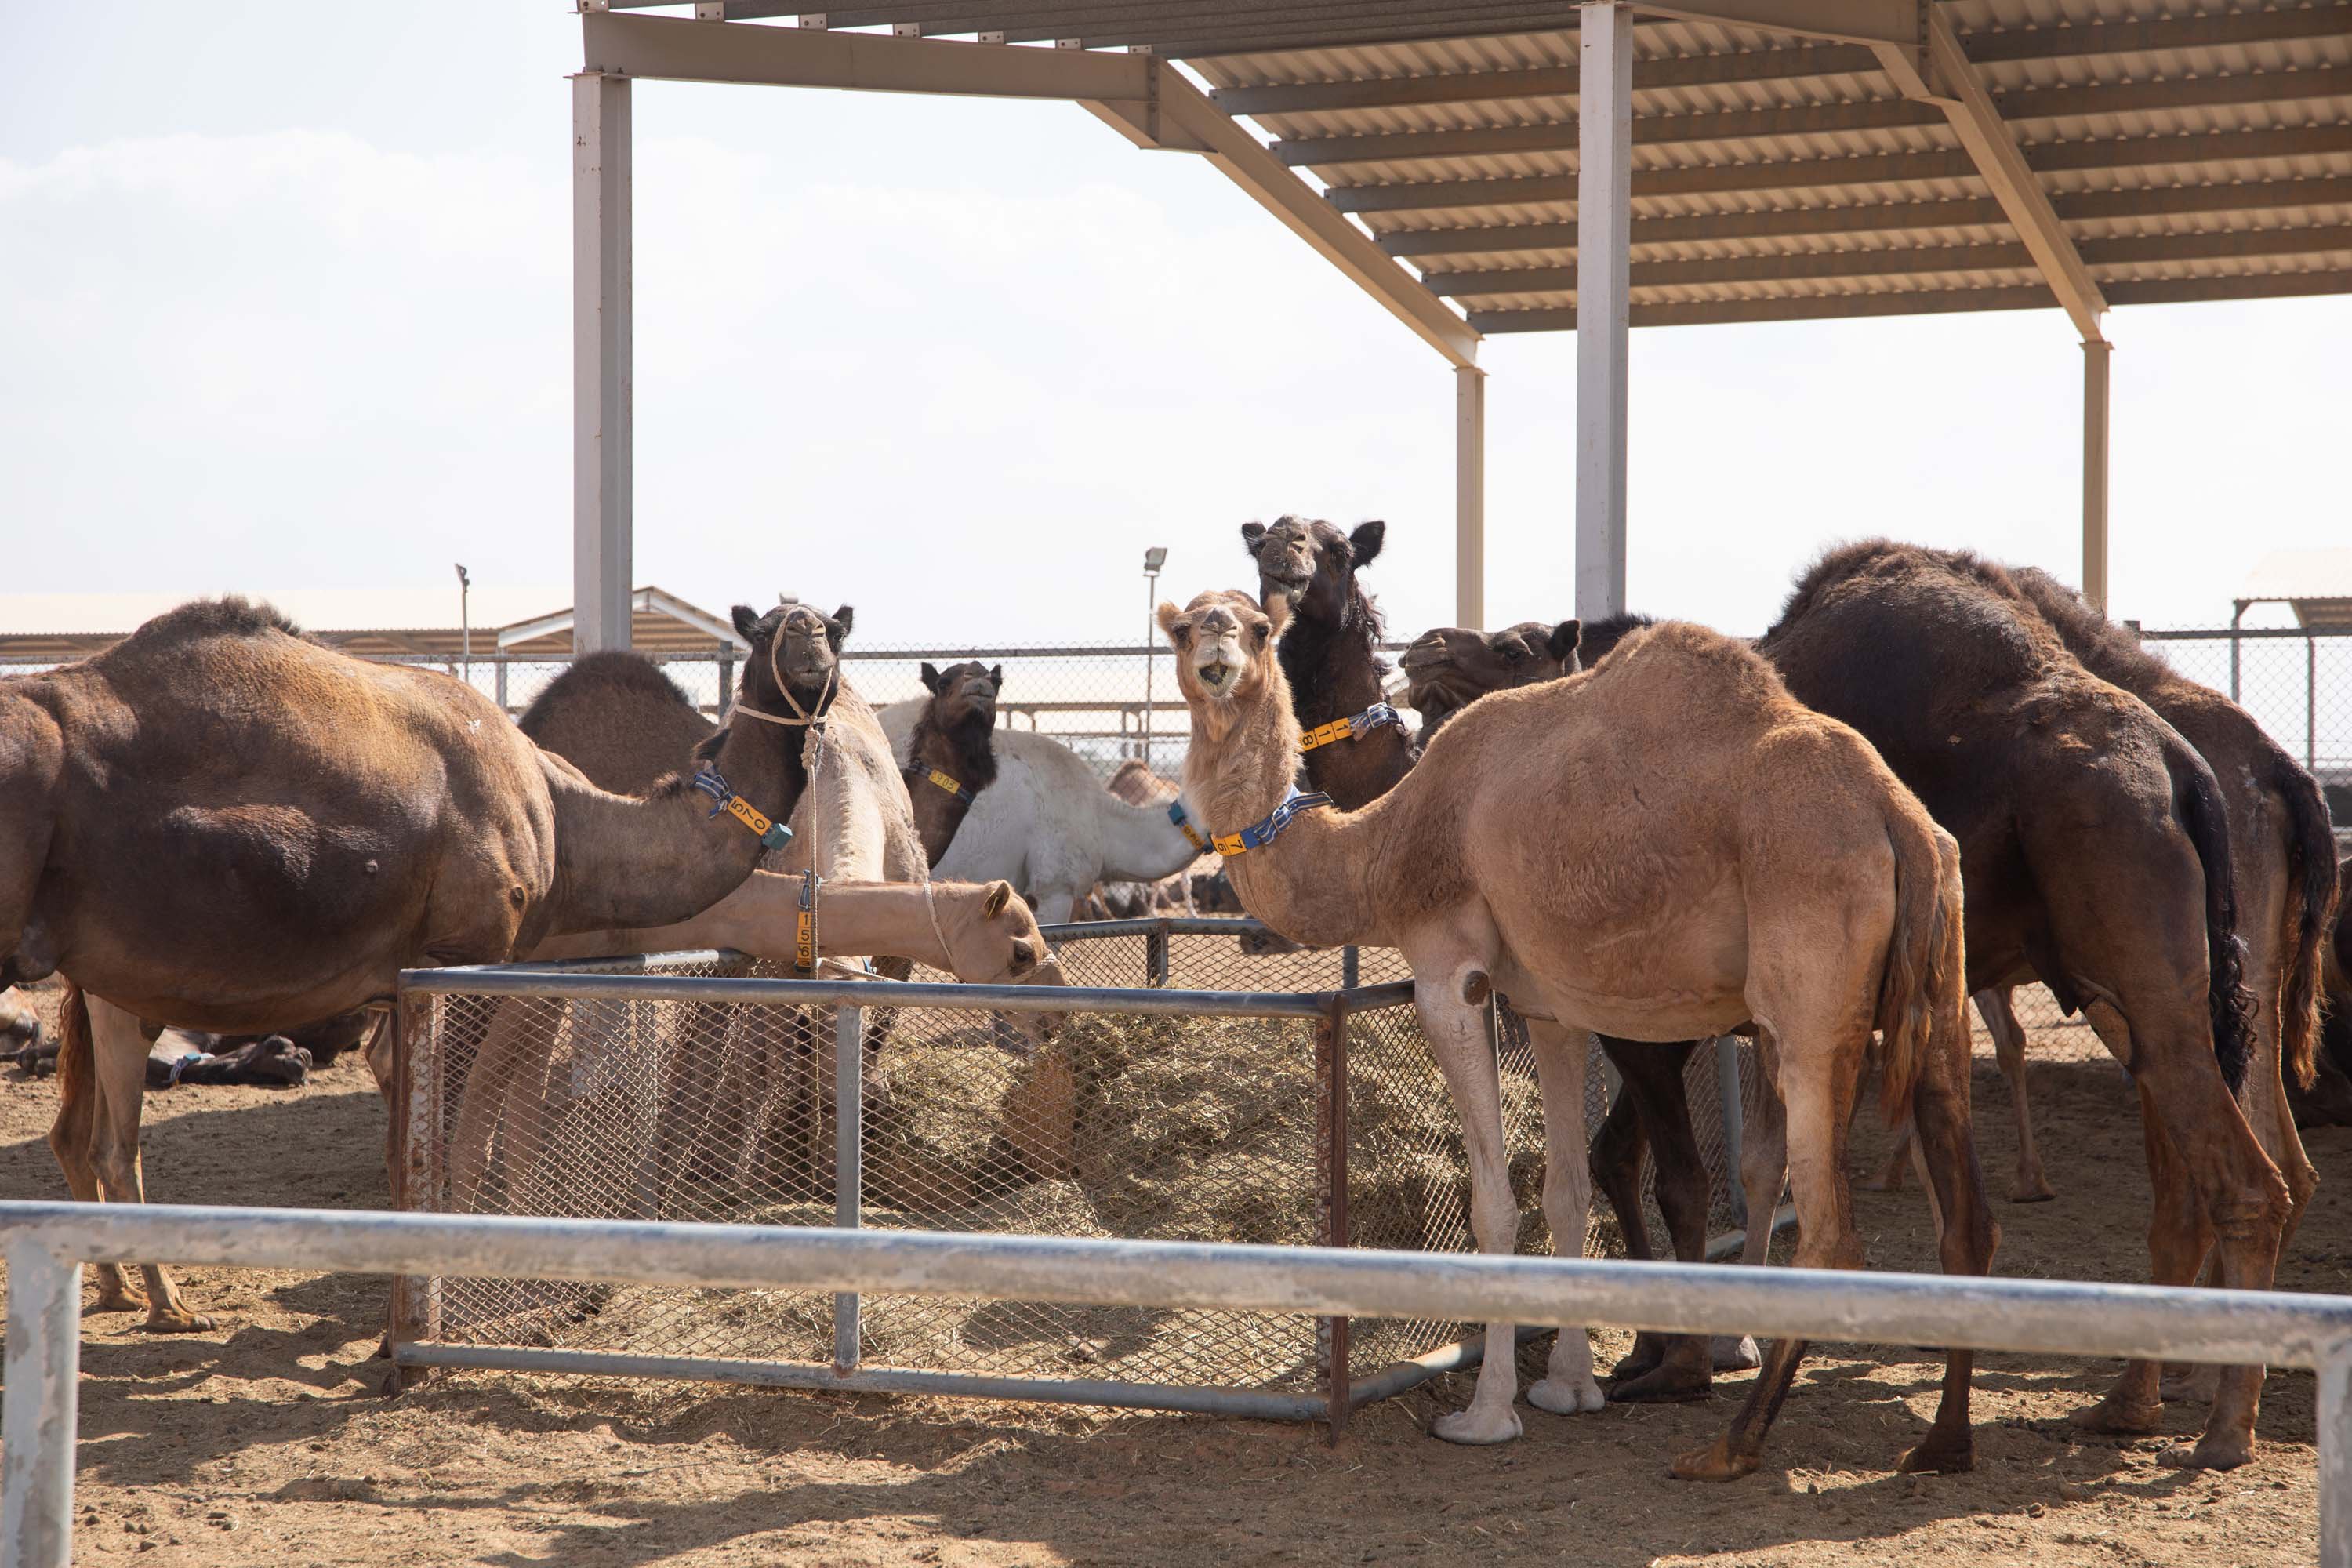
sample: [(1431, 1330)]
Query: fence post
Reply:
[(1352, 966), (415, 1171), (1734, 1125), (1331, 1085), (848, 1165), (38, 1430), (2310, 702), (1155, 956), (502, 688), (2335, 1414), (726, 681)]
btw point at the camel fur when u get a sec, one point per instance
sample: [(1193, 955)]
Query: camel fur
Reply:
[(1772, 870)]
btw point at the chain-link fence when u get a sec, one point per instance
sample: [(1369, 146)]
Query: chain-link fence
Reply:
[(1195, 1086)]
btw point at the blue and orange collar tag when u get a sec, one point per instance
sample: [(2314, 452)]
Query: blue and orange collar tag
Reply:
[(773, 835), (1354, 728), (1264, 831)]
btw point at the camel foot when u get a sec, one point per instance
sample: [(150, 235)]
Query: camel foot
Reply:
[(2184, 1383), (118, 1298), (2120, 1415), (1940, 1455), (1562, 1397), (2214, 1451), (1674, 1382), (1476, 1429), (1648, 1351), (2032, 1188), (1716, 1463), (1730, 1352), (180, 1322)]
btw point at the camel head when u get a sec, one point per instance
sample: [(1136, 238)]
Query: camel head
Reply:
[(993, 936), (1225, 652), (964, 691), (797, 644), (1453, 665), (1311, 563)]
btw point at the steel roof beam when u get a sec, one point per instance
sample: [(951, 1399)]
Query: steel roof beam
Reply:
[(1928, 301), (1868, 169), (1888, 218), (1897, 261), (1942, 75)]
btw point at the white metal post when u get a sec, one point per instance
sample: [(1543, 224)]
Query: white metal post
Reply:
[(848, 1167), (2335, 1414), (1604, 210), (2095, 353), (38, 1430), (602, 374), (1469, 496)]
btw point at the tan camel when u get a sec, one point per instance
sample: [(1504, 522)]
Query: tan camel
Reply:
[(221, 825), (1771, 868)]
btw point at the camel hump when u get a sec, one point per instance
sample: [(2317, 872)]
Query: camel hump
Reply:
[(230, 616), (611, 673)]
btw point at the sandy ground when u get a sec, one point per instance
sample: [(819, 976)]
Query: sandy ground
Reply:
[(267, 1440)]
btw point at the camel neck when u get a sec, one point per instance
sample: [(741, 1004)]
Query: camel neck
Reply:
[(1334, 673), (856, 920), (1308, 883), (947, 766)]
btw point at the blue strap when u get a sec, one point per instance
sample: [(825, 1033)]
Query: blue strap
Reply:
[(773, 834), (1260, 834), (1372, 718)]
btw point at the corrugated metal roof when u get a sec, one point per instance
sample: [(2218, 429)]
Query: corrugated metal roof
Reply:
[(2191, 152)]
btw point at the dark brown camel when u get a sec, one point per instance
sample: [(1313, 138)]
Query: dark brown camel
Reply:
[(617, 717), (1331, 653), (1451, 666), (2328, 1101), (221, 825), (949, 760), (2096, 851)]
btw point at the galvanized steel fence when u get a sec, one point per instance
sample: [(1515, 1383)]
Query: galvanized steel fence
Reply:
[(1191, 1085)]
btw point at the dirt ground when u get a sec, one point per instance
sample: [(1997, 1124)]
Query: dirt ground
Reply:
[(267, 1440)]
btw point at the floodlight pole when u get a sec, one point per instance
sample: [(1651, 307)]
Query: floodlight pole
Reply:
[(466, 621), (1153, 559)]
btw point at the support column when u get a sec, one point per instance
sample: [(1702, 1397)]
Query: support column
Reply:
[(37, 1446), (2095, 351), (602, 374), (1604, 211), (1469, 496)]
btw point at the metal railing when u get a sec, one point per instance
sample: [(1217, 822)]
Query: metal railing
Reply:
[(48, 1243)]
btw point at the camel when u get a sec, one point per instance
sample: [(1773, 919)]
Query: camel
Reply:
[(2098, 858), (1356, 744), (221, 825), (1048, 827), (1773, 871), (1451, 666), (617, 717), (2328, 1101), (949, 759)]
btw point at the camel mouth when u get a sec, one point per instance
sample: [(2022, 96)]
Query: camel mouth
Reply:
[(1213, 675), (1294, 586)]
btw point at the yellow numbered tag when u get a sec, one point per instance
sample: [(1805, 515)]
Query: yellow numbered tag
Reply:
[(749, 816), (804, 943), (946, 783), (1229, 844)]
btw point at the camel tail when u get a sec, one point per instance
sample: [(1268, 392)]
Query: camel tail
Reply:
[(2198, 800), (1923, 988), (77, 1054), (2310, 911)]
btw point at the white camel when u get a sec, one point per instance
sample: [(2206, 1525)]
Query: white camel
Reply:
[(1048, 827)]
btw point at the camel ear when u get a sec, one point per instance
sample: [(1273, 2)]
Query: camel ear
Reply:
[(996, 678), (1562, 644), (747, 621), (1173, 624), (837, 630), (930, 674), (999, 895), (1364, 544), (1253, 535)]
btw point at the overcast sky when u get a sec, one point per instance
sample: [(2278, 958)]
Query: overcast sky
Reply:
[(285, 293)]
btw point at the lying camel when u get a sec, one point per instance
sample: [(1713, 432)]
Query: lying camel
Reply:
[(222, 825), (1774, 871)]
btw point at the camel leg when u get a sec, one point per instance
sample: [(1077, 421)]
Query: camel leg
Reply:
[(1457, 1032), (1763, 1157), (1053, 909), (119, 1048), (1818, 1081), (1966, 1234), (1615, 1161), (1996, 1006), (1676, 1366), (2213, 1186), (1567, 1387), (74, 1133)]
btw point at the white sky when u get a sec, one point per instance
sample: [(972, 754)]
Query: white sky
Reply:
[(284, 299)]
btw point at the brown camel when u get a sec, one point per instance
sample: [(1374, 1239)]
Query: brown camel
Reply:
[(617, 717), (1774, 870), (2328, 1101), (2098, 853), (220, 825), (949, 759), (1356, 745), (1452, 667)]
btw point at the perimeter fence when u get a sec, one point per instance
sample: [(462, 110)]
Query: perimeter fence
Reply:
[(1187, 1087)]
